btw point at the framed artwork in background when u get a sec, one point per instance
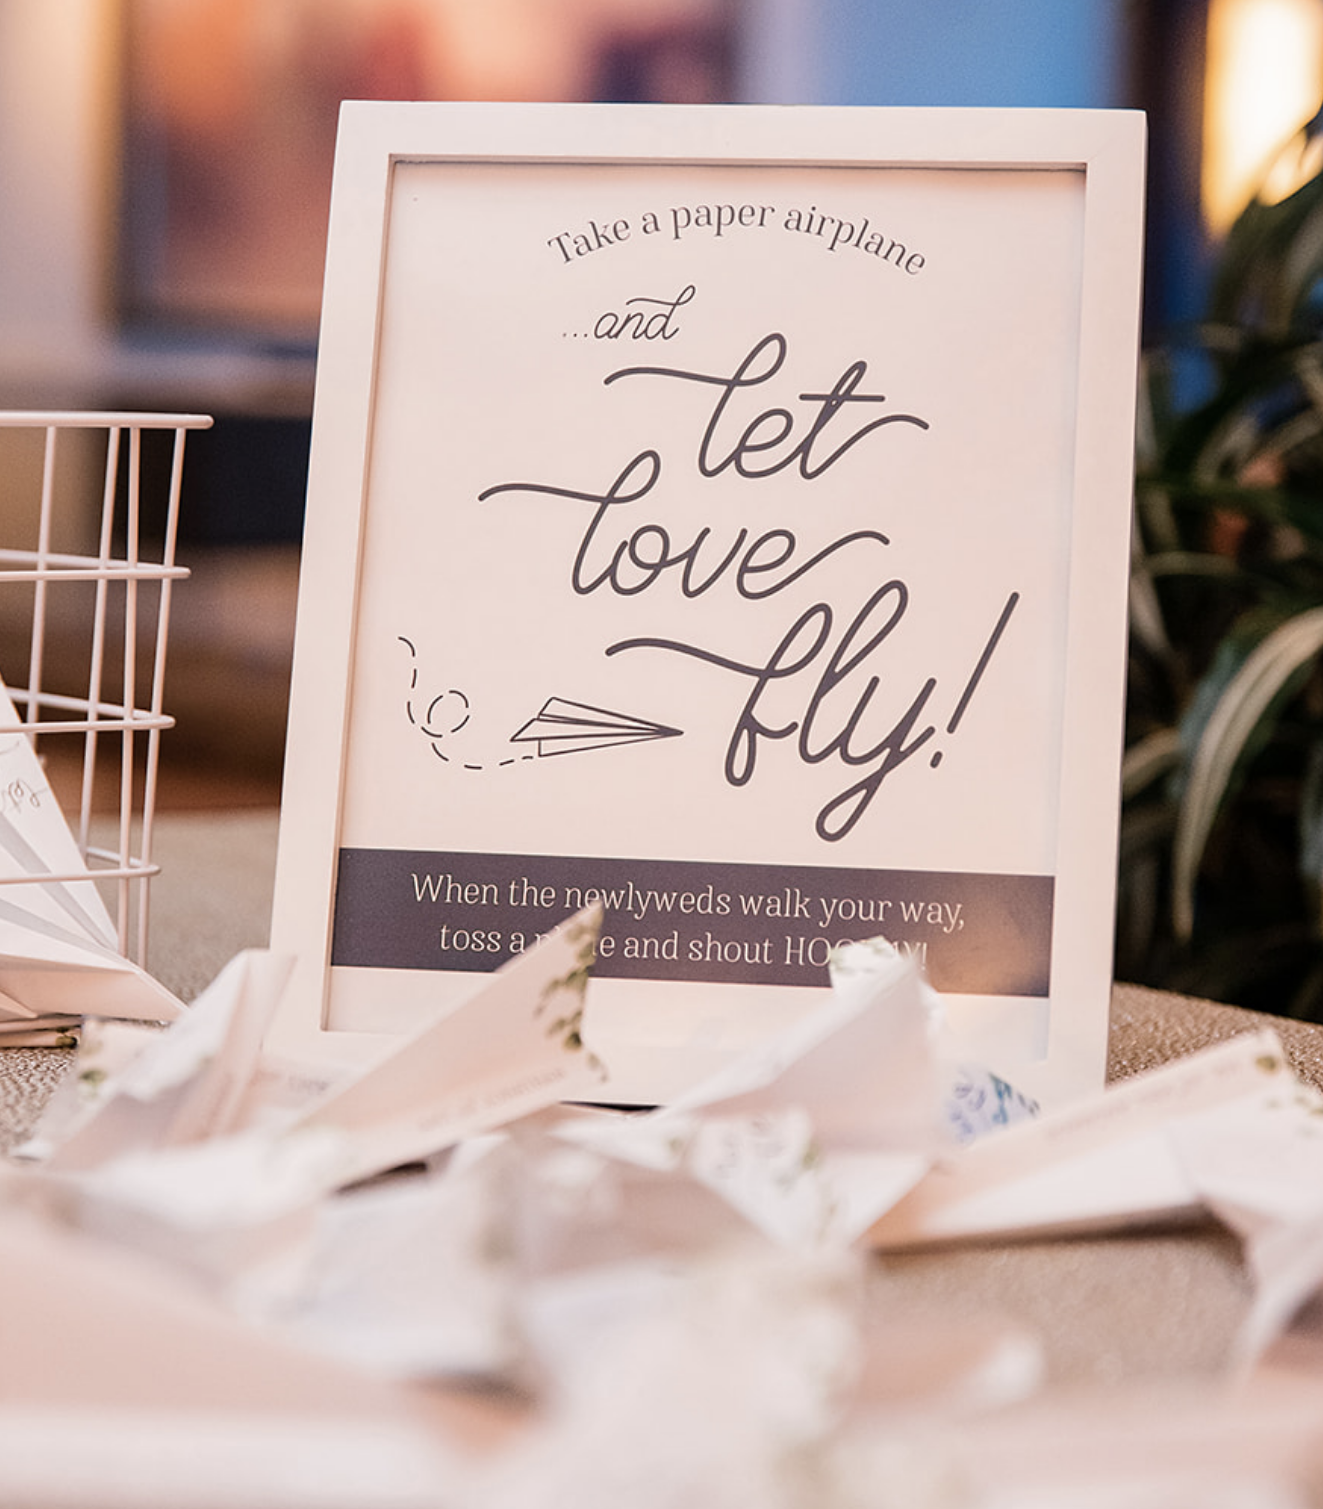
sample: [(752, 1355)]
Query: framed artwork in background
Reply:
[(230, 110), (721, 513)]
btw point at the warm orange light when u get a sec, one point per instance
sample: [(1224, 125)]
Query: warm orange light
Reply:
[(1264, 80)]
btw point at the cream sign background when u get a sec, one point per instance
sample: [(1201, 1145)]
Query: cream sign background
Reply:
[(715, 559)]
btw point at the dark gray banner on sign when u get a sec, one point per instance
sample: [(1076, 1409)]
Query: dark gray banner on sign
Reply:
[(757, 924)]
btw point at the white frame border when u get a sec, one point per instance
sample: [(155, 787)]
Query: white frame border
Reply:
[(1107, 146)]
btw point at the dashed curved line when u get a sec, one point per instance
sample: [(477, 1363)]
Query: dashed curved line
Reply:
[(454, 691), (431, 707), (499, 765), (432, 733), (413, 679)]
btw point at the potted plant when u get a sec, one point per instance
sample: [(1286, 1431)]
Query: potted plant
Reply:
[(1222, 818)]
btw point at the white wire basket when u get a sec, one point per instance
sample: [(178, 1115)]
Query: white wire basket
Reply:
[(91, 624)]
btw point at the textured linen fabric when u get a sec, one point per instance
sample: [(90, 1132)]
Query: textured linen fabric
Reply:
[(213, 899), (1133, 1306), (1152, 1027)]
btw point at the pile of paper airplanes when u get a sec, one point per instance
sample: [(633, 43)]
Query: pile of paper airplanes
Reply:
[(653, 1307)]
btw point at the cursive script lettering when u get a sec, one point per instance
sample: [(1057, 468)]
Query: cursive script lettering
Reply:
[(639, 559), (830, 683), (769, 429)]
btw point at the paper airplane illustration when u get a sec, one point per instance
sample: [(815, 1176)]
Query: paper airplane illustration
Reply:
[(563, 727)]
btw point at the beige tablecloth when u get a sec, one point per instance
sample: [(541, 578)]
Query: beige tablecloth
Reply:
[(214, 898), (1136, 1306)]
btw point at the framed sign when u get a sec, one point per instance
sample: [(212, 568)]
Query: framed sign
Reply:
[(721, 513)]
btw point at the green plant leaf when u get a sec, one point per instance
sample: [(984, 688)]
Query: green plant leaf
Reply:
[(1226, 620), (1259, 384), (1146, 620), (1240, 713), (1191, 563), (1270, 257), (1149, 759), (1311, 819)]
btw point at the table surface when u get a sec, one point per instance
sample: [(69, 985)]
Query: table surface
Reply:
[(214, 899), (232, 855), (1150, 1306)]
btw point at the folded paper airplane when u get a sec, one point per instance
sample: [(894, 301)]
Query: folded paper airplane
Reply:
[(59, 960)]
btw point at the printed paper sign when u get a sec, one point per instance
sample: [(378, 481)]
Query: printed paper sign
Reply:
[(716, 566)]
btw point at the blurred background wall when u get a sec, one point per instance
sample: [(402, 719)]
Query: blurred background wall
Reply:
[(165, 172), (164, 164)]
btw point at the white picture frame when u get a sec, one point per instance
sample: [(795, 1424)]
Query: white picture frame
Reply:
[(501, 348)]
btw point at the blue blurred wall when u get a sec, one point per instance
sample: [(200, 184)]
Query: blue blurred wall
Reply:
[(971, 52)]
